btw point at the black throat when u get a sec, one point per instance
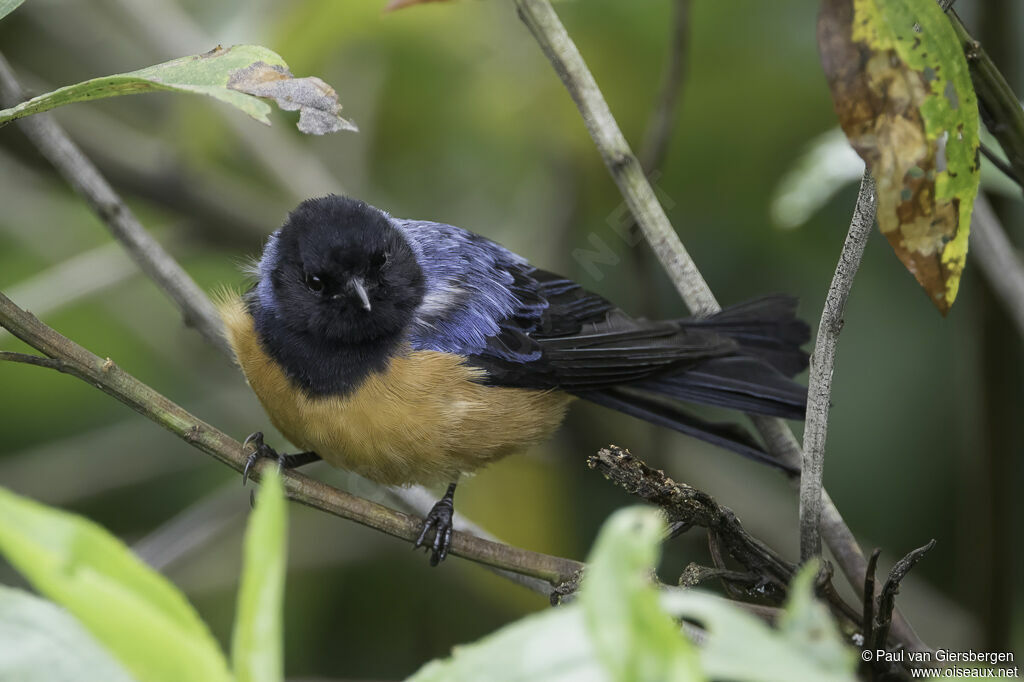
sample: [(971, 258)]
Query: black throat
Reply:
[(320, 367)]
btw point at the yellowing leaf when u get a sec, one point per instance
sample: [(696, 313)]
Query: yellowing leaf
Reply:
[(903, 93)]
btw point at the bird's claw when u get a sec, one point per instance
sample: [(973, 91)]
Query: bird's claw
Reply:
[(440, 520), (260, 451)]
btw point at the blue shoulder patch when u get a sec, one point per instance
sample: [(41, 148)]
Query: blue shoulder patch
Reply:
[(477, 292)]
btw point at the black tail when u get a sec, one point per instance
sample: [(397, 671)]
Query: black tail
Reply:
[(754, 380), (766, 328), (725, 435)]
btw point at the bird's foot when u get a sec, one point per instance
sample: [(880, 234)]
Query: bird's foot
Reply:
[(261, 450), (440, 520)]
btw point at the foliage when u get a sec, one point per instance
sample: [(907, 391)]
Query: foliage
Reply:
[(238, 75), (622, 629), (139, 617), (904, 97), (8, 6), (43, 643)]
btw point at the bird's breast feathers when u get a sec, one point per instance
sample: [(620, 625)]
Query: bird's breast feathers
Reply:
[(425, 419)]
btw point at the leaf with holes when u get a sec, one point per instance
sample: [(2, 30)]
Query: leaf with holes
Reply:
[(902, 90)]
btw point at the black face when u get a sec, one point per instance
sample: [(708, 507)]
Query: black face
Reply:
[(344, 274)]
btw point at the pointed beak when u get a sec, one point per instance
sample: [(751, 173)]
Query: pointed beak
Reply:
[(356, 283)]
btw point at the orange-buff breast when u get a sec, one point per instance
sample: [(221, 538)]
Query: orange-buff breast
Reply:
[(423, 420)]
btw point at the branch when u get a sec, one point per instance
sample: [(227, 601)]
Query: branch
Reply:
[(157, 263), (540, 18), (998, 260), (819, 389), (686, 506), (998, 105), (35, 360), (543, 23), (112, 380), (868, 620), (887, 600), (662, 120), (83, 177)]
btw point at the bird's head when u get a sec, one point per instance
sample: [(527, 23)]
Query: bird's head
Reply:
[(340, 270)]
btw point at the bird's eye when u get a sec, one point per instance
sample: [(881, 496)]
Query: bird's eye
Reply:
[(314, 283), (380, 260)]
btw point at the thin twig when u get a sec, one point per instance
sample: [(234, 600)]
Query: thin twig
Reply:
[(540, 18), (683, 503), (998, 105), (147, 253), (998, 259), (662, 120), (1000, 165), (111, 379), (190, 530), (887, 600), (28, 359), (819, 388), (543, 23), (868, 620)]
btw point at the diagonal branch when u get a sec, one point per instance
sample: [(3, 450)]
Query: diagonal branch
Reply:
[(689, 507), (112, 380), (147, 253), (819, 388), (159, 265), (540, 18), (662, 120)]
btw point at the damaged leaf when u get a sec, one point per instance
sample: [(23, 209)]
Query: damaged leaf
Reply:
[(238, 75), (904, 97)]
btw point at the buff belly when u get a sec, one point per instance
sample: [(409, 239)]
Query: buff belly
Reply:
[(423, 420)]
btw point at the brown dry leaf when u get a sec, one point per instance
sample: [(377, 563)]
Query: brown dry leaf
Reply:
[(904, 99), (316, 101)]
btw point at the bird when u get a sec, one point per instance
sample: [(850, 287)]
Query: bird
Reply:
[(416, 352)]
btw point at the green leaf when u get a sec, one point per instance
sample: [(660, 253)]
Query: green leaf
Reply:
[(42, 643), (552, 646), (256, 645), (8, 6), (903, 93), (143, 620), (238, 75), (635, 638), (807, 625), (806, 648)]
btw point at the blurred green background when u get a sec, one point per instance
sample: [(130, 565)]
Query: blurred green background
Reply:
[(462, 120)]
